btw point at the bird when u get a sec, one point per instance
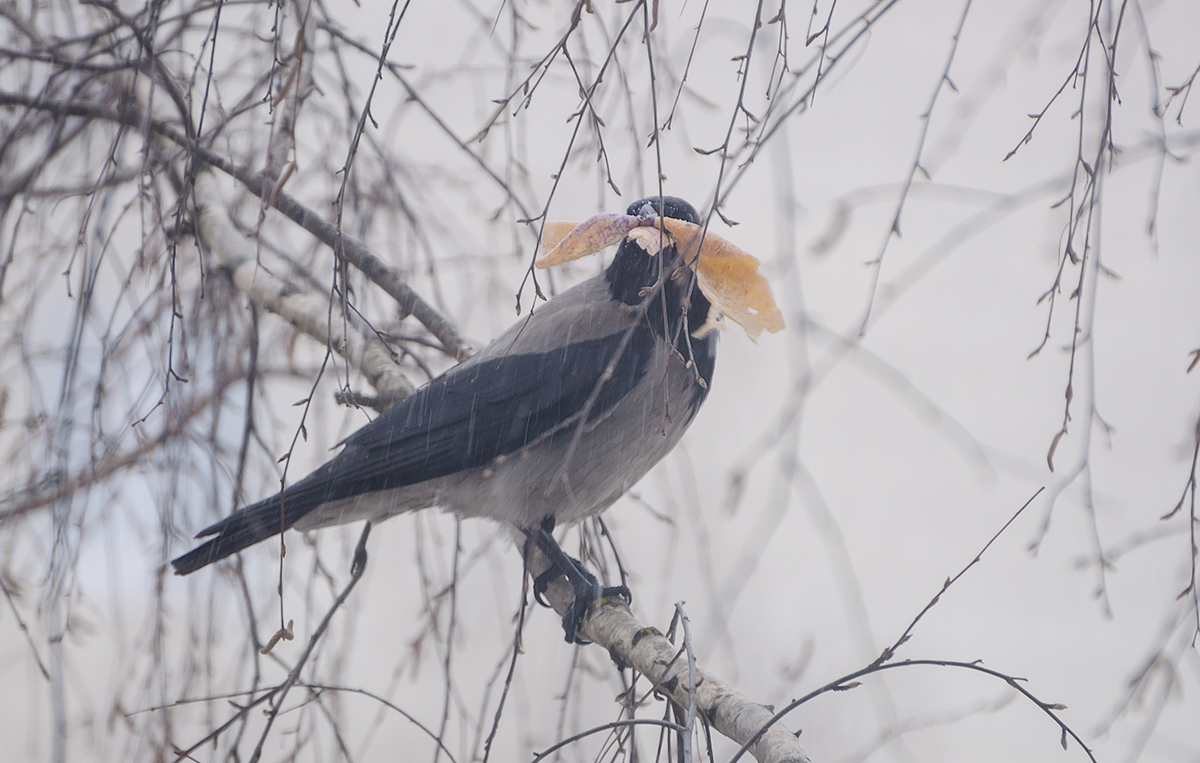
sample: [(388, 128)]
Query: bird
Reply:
[(548, 425)]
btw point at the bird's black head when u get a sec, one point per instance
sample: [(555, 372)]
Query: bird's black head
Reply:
[(677, 306), (664, 206), (633, 270)]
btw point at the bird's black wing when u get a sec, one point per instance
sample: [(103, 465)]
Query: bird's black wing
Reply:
[(460, 420), (473, 414)]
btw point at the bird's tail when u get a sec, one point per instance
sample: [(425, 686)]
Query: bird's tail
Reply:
[(239, 530)]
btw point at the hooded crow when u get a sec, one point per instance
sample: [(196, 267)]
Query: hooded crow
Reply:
[(547, 425)]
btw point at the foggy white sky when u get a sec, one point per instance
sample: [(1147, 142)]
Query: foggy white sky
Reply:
[(914, 445)]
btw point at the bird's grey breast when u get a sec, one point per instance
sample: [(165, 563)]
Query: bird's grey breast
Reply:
[(588, 462)]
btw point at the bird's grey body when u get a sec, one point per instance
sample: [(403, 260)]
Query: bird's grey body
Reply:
[(550, 477), (555, 419)]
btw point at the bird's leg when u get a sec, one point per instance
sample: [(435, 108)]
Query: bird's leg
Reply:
[(585, 586), (557, 567)]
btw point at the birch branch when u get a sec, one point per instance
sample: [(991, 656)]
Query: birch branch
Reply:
[(610, 624), (344, 245), (306, 311)]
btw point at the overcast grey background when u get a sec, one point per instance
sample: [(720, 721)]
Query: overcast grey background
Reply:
[(914, 445)]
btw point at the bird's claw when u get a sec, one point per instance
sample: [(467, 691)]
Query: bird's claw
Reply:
[(573, 620), (587, 590), (621, 592), (582, 605), (585, 596), (541, 583)]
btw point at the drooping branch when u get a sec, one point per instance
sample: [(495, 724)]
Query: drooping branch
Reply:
[(344, 245), (306, 311), (354, 251)]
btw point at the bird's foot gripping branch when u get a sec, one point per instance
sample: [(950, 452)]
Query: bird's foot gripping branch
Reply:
[(586, 589)]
